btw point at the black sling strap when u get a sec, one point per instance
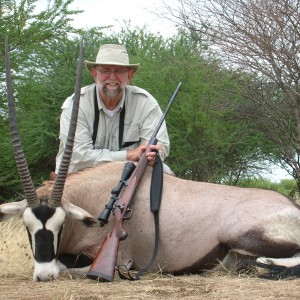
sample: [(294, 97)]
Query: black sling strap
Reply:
[(96, 121), (155, 199)]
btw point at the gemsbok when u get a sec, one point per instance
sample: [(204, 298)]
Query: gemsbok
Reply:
[(201, 224)]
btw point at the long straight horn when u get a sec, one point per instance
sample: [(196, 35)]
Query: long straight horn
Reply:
[(55, 199), (28, 187)]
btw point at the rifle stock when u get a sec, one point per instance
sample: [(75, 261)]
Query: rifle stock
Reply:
[(103, 266)]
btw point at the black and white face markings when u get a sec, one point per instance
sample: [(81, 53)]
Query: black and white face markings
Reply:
[(44, 225)]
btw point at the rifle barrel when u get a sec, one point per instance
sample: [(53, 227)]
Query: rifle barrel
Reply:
[(166, 111)]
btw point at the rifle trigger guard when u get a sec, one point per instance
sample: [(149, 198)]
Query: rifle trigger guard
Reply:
[(128, 214)]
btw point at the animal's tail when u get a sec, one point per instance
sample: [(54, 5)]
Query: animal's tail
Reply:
[(276, 272)]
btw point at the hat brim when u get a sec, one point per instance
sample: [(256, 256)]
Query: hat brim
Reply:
[(90, 65)]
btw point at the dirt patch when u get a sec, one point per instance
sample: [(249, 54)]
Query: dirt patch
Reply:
[(16, 269)]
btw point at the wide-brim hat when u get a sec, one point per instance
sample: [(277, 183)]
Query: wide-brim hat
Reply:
[(112, 54)]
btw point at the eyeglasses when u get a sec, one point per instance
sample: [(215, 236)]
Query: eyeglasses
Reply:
[(117, 72)]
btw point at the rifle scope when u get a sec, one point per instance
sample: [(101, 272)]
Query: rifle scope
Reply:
[(127, 171)]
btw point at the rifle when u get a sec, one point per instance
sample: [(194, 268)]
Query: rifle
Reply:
[(103, 266)]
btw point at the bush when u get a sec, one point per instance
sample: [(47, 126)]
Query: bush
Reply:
[(286, 186)]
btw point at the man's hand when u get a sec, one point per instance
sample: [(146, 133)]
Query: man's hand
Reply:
[(135, 154), (151, 154)]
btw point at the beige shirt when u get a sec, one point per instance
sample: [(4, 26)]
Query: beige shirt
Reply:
[(142, 114)]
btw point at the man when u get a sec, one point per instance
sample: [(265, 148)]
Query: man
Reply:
[(115, 120)]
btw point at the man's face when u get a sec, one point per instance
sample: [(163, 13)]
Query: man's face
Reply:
[(111, 80)]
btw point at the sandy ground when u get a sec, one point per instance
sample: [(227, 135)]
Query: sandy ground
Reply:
[(16, 265)]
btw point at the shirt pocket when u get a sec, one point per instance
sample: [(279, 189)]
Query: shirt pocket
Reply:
[(131, 135)]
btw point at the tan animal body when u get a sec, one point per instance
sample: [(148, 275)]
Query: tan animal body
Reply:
[(200, 223)]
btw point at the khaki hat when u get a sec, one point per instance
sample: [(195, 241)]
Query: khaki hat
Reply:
[(112, 54)]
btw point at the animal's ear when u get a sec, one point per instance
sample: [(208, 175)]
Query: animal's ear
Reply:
[(80, 214), (8, 210)]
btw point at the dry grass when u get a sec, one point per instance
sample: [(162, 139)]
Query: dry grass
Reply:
[(15, 253), (17, 267)]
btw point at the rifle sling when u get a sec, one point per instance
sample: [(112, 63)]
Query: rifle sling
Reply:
[(156, 184), (155, 200)]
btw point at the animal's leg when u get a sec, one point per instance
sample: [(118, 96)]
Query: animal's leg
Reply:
[(68, 261), (77, 271), (80, 263), (286, 262), (125, 259), (278, 268), (235, 262), (275, 247), (77, 264)]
